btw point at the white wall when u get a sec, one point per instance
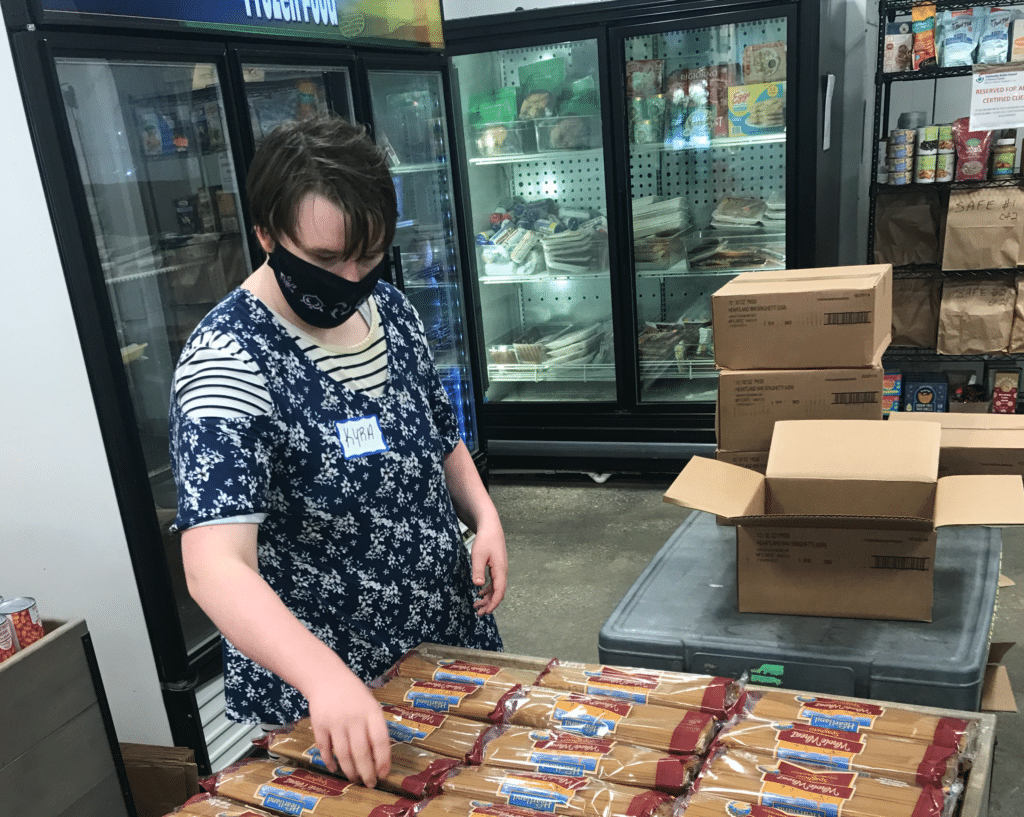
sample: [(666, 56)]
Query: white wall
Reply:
[(62, 540)]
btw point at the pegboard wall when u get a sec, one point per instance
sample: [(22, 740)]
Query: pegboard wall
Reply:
[(577, 301)]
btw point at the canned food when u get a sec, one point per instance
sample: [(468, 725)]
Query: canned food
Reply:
[(901, 165), (945, 164), (901, 178), (903, 136), (928, 138), (945, 143), (899, 151), (924, 168), (8, 645), (23, 615)]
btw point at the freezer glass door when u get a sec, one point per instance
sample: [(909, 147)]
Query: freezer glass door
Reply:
[(706, 115), (150, 139), (281, 93), (537, 204), (408, 116)]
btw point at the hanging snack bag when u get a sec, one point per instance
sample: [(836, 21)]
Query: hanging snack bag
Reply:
[(706, 693), (972, 149), (994, 43), (548, 751), (899, 48), (958, 38), (923, 25), (414, 772)]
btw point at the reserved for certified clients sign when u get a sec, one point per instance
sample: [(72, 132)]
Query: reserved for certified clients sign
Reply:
[(997, 96), (409, 22)]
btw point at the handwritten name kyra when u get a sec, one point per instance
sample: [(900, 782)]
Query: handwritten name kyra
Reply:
[(320, 12)]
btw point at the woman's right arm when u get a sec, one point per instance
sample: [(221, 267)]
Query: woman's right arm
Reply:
[(220, 568)]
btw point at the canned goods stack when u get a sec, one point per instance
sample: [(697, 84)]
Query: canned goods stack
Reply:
[(925, 152), (945, 157), (900, 155), (20, 625)]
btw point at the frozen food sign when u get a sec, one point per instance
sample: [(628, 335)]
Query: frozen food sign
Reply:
[(413, 22)]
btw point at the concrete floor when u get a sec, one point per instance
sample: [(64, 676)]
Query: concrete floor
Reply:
[(576, 547)]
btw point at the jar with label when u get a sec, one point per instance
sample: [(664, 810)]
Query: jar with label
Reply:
[(1004, 158)]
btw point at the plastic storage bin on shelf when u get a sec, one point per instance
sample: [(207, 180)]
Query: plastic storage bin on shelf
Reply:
[(504, 139), (568, 133), (681, 615)]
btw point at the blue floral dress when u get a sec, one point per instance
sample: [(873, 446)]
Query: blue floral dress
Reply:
[(361, 540)]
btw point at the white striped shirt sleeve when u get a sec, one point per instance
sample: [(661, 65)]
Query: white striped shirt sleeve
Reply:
[(217, 378)]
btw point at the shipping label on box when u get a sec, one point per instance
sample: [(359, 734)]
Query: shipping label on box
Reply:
[(828, 318), (757, 109), (751, 401), (879, 574)]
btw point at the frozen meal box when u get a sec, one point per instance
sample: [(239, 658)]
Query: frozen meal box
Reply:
[(833, 317), (917, 500), (757, 108), (977, 443), (750, 401)]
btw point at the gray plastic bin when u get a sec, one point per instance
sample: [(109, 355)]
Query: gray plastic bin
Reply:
[(681, 615)]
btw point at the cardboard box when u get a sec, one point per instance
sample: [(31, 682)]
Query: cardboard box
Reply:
[(752, 400), (863, 551), (835, 317), (977, 443), (754, 460)]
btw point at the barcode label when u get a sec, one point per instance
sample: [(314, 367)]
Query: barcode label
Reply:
[(844, 318), (900, 562), (846, 398)]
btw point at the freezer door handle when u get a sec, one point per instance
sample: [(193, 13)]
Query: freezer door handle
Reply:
[(396, 266)]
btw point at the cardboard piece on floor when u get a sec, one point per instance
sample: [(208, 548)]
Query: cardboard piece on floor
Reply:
[(996, 690), (161, 778), (1006, 581)]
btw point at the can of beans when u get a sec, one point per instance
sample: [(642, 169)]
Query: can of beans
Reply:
[(23, 615), (8, 646)]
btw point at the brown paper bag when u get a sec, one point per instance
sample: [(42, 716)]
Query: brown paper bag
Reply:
[(984, 228), (908, 228), (915, 311), (975, 317), (1017, 332)]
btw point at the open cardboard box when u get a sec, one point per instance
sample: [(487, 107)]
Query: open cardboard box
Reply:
[(976, 443), (843, 522), (804, 319)]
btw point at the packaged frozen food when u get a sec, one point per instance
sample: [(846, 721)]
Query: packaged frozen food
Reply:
[(558, 794), (549, 751), (866, 717), (278, 787), (645, 77), (764, 62), (873, 755), (677, 731), (739, 210), (923, 26), (414, 772), (704, 693)]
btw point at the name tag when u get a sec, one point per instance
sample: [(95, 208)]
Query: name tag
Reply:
[(361, 436)]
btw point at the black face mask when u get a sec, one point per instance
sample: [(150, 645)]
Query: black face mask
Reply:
[(319, 297)]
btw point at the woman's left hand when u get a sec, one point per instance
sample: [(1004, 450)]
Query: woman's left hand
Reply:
[(489, 554)]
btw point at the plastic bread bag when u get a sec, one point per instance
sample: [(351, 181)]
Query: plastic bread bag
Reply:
[(575, 796), (278, 787), (434, 662), (704, 693), (414, 772), (549, 751), (866, 717), (448, 735), (454, 805), (464, 700), (210, 805), (872, 755), (676, 731), (737, 775)]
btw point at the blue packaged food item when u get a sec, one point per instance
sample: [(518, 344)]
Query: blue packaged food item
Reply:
[(925, 391)]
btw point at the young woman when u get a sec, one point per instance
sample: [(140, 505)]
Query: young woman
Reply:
[(319, 467)]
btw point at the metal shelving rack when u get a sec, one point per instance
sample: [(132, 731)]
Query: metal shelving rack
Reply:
[(888, 11)]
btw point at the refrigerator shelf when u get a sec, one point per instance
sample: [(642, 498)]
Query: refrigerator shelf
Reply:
[(426, 167), (545, 372), (546, 156), (151, 273), (716, 142), (544, 277)]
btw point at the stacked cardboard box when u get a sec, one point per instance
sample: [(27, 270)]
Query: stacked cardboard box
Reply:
[(977, 443), (798, 345), (843, 524)]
